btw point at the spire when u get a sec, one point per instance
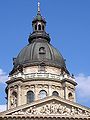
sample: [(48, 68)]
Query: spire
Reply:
[(38, 6), (39, 25)]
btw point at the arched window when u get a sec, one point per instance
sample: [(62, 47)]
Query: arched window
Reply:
[(70, 96), (35, 27), (42, 50), (39, 27), (55, 93), (43, 94), (13, 99), (30, 96), (14, 94)]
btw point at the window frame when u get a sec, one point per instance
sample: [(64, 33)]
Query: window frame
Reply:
[(30, 96)]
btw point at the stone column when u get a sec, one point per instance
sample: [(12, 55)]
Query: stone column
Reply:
[(8, 102), (50, 90), (19, 95), (66, 92), (36, 92), (74, 95)]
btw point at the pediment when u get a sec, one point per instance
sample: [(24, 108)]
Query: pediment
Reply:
[(51, 106)]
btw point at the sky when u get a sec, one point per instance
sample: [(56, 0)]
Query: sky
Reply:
[(68, 23)]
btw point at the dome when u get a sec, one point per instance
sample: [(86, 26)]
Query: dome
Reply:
[(38, 18), (39, 52)]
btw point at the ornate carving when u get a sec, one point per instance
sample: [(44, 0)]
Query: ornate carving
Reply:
[(54, 109), (71, 88), (31, 111), (13, 96)]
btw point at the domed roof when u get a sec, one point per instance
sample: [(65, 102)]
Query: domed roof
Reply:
[(38, 18), (38, 52)]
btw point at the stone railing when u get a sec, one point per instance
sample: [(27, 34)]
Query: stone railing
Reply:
[(42, 76)]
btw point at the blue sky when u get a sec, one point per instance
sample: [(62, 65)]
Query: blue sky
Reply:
[(68, 23)]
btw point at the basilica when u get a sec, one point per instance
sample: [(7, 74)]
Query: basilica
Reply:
[(39, 86)]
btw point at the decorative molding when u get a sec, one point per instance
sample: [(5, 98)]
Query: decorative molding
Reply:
[(53, 109), (41, 75)]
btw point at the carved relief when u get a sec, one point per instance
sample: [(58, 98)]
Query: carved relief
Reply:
[(54, 109), (13, 96), (27, 87), (45, 86), (71, 88), (53, 86), (58, 88), (40, 86), (13, 99)]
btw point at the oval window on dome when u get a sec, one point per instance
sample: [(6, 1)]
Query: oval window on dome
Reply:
[(42, 50)]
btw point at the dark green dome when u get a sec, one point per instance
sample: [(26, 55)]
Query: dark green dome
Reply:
[(38, 18), (38, 52)]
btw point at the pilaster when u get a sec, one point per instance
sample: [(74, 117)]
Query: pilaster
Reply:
[(19, 95), (8, 103)]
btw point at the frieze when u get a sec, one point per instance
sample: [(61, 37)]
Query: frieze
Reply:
[(53, 109)]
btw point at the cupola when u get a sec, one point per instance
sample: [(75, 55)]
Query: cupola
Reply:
[(39, 28)]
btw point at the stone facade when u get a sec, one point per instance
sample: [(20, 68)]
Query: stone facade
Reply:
[(40, 87), (34, 80), (50, 107)]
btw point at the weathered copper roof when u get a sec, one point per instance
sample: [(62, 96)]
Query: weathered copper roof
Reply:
[(38, 52)]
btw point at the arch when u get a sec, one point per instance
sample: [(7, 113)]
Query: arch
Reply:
[(14, 94), (70, 96), (13, 99), (30, 96), (55, 93), (43, 94), (39, 27), (35, 27), (42, 50)]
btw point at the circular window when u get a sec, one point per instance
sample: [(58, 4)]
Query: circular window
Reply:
[(43, 94)]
